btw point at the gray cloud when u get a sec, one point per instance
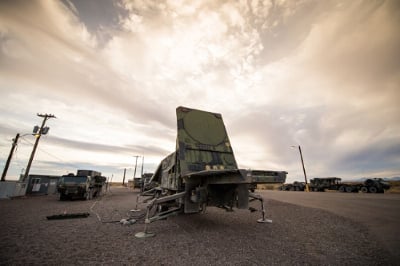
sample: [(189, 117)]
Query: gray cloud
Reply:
[(102, 17), (114, 172), (96, 147), (380, 157)]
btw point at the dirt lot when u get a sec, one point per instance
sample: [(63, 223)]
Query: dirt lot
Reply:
[(297, 236)]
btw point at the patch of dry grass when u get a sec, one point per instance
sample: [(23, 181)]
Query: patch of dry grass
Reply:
[(394, 187), (268, 186)]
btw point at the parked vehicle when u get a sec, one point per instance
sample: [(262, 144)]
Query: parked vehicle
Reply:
[(372, 185), (295, 186), (323, 183), (86, 184)]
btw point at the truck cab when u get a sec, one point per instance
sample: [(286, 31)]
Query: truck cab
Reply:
[(71, 186)]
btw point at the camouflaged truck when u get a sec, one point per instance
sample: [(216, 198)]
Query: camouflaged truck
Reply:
[(86, 184), (371, 185)]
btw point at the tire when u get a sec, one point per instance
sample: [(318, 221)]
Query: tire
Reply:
[(364, 189), (342, 189), (373, 190), (349, 189)]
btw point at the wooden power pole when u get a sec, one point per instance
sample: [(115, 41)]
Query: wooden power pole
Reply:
[(15, 142), (37, 135)]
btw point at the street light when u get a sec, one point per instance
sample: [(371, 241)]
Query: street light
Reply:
[(302, 163)]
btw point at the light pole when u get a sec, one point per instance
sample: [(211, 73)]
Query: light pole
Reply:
[(302, 163)]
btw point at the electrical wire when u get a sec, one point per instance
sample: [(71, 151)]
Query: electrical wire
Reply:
[(139, 218), (51, 155)]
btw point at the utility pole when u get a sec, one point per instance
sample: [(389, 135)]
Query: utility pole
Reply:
[(304, 169), (38, 134), (15, 142), (142, 166), (134, 173), (123, 180)]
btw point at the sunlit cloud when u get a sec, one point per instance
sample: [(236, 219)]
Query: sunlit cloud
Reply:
[(323, 75)]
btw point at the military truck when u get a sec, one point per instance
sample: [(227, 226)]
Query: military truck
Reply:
[(372, 185), (86, 184), (295, 186), (323, 183)]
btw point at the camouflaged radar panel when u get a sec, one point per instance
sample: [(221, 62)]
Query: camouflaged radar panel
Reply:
[(202, 142), (202, 171)]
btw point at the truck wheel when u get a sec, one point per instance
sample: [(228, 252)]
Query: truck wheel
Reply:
[(364, 189), (349, 189), (373, 189), (342, 189)]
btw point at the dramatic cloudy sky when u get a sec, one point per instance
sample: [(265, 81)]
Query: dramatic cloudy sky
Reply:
[(324, 75)]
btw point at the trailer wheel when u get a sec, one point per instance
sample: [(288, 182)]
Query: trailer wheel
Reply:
[(373, 189), (364, 189), (342, 189), (349, 189)]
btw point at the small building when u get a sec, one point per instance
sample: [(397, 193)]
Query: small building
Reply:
[(42, 184), (12, 188)]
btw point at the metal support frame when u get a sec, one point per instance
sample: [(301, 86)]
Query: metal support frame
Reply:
[(159, 215)]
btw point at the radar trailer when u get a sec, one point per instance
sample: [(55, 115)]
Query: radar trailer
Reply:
[(202, 172)]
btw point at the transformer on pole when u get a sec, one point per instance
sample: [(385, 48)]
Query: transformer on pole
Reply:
[(38, 133)]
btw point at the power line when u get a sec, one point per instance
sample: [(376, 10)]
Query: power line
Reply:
[(52, 155)]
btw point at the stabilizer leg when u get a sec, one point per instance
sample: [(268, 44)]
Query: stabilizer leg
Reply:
[(258, 197), (145, 233)]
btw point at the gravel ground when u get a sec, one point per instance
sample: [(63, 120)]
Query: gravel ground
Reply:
[(297, 236)]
